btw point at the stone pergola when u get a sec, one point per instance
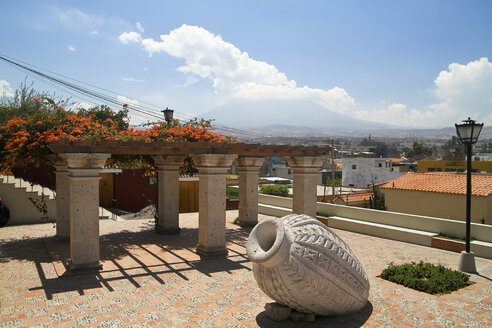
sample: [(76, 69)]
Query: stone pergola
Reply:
[(77, 187)]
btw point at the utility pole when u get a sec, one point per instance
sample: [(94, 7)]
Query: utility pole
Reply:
[(332, 169)]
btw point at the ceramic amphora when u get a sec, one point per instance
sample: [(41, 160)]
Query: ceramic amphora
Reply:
[(300, 263)]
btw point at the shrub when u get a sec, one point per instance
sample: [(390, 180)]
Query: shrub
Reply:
[(276, 190), (232, 192), (426, 277)]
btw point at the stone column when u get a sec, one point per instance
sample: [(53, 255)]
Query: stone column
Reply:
[(83, 176), (168, 192), (212, 203), (305, 170), (62, 202), (249, 168)]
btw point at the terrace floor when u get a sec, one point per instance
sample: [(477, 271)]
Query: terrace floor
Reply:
[(151, 280)]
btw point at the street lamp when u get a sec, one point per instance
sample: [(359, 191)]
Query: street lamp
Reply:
[(168, 115), (468, 133)]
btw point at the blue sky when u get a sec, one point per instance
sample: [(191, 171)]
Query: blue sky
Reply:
[(410, 64)]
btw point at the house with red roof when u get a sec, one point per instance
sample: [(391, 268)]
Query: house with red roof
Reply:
[(441, 195)]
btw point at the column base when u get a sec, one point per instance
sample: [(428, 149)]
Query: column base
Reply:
[(249, 224), (85, 267), (467, 262), (168, 231), (211, 252)]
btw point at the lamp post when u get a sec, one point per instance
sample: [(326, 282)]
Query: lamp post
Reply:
[(168, 115), (468, 133)]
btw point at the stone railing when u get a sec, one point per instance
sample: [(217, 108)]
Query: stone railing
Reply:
[(453, 228)]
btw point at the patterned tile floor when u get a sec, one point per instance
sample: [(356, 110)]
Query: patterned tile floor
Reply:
[(152, 280)]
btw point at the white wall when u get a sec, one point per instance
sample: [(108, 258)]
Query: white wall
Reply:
[(22, 211), (367, 171)]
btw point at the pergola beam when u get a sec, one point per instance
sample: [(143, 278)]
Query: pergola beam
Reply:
[(185, 148)]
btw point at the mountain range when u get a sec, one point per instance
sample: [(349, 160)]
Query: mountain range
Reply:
[(300, 113), (300, 118)]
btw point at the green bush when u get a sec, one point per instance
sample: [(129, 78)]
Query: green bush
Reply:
[(232, 192), (276, 190), (426, 277)]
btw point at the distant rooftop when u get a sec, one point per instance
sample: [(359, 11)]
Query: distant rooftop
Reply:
[(351, 198), (448, 183)]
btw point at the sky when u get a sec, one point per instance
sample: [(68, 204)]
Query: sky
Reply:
[(404, 63)]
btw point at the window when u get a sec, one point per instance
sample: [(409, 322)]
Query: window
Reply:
[(380, 164), (354, 166)]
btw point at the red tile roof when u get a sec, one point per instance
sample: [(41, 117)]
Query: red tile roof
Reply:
[(350, 198), (448, 183)]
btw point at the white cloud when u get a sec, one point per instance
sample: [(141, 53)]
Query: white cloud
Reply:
[(94, 32), (463, 91), (82, 104), (466, 90), (233, 73), (128, 37), (5, 89), (129, 79), (76, 19), (139, 27), (190, 80), (399, 114), (71, 48), (127, 100)]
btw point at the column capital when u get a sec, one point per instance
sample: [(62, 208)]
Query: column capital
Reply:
[(60, 167), (85, 160), (312, 162), (163, 162), (246, 161), (211, 161)]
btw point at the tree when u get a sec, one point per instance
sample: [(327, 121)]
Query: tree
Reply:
[(25, 138), (377, 200), (453, 150), (418, 151)]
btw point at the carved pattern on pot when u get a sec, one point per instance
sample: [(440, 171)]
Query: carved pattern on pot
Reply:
[(301, 263)]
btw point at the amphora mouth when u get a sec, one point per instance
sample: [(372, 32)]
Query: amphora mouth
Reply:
[(265, 240)]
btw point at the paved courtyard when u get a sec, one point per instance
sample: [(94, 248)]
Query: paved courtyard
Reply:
[(150, 280)]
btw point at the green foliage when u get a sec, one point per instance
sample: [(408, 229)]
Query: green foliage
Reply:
[(338, 182), (41, 206), (418, 150), (27, 102), (232, 192), (453, 150), (377, 201), (276, 190), (103, 113), (426, 277)]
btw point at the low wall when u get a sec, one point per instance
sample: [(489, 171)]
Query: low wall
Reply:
[(457, 229), (425, 223)]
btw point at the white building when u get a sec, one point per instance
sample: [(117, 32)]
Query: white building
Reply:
[(362, 172)]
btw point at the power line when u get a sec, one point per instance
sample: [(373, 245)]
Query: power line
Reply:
[(75, 90), (70, 78), (86, 91)]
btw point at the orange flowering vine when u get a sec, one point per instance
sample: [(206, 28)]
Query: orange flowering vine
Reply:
[(25, 139)]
